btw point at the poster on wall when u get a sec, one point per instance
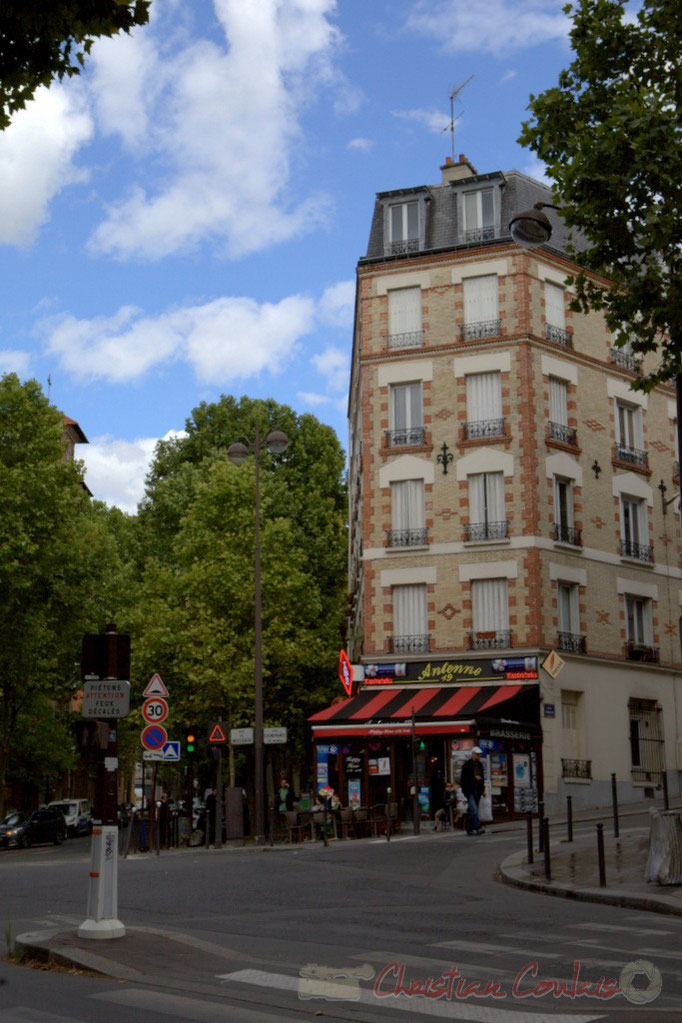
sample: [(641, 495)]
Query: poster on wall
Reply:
[(485, 807), (522, 779), (383, 765), (322, 774), (423, 799), (498, 771), (354, 792)]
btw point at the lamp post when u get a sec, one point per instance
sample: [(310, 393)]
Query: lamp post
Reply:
[(276, 443)]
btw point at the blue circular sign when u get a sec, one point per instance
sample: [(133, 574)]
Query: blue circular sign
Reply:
[(154, 737)]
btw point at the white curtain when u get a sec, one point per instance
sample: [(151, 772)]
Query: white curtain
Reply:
[(554, 305), (489, 605), (563, 502), (407, 406), (480, 298), (558, 401), (486, 497), (404, 310), (407, 504), (409, 610), (484, 396), (629, 426), (634, 520), (569, 613)]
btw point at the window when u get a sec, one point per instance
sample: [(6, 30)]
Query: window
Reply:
[(486, 507), (479, 215), (558, 412), (640, 633), (490, 614), (564, 521), (555, 315), (406, 415), (405, 318), (634, 529), (407, 514), (568, 601), (410, 633), (481, 315), (484, 405), (572, 737), (646, 740), (630, 435), (403, 227)]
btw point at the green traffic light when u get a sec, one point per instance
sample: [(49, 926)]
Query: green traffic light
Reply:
[(190, 742)]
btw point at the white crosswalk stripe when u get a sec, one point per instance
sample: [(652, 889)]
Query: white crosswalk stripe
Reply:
[(482, 946), (623, 928)]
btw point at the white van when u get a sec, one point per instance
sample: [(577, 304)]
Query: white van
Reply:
[(77, 814)]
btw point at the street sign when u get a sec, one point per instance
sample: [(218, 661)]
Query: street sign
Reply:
[(155, 710), (154, 737), (345, 672), (241, 736), (106, 699), (169, 752), (272, 736), (216, 734), (156, 687), (553, 664)]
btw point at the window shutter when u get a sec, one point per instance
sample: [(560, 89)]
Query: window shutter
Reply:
[(484, 396), (495, 493), (404, 310), (480, 299), (558, 401), (489, 605), (409, 610), (554, 305)]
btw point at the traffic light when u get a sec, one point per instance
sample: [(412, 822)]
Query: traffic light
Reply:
[(191, 740), (422, 745)]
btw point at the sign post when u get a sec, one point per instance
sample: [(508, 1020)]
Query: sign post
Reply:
[(217, 739)]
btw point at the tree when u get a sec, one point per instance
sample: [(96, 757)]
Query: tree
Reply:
[(42, 40), (610, 134)]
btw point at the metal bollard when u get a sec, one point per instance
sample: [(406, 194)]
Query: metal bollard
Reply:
[(541, 817), (388, 814), (614, 798), (569, 817), (325, 818), (600, 855), (529, 834), (545, 843)]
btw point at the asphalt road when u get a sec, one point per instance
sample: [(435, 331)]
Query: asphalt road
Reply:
[(258, 926)]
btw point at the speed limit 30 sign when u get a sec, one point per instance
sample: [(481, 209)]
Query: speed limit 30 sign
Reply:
[(155, 710)]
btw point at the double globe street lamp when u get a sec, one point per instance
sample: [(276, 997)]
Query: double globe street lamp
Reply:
[(276, 443)]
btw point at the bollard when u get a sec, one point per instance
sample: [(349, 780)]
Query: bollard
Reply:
[(541, 816), (600, 855), (545, 843), (529, 834), (569, 817), (388, 814), (325, 817), (666, 801), (614, 797)]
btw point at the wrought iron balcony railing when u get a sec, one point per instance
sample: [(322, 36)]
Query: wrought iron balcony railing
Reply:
[(484, 328), (567, 534), (486, 530), (410, 339), (571, 642), (397, 248), (633, 456), (480, 234), (638, 551), (564, 434), (499, 640), (409, 644), (641, 652), (558, 336), (625, 360), (484, 428), (407, 537), (405, 438), (576, 768)]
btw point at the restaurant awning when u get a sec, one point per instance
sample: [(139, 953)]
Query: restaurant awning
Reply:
[(437, 709)]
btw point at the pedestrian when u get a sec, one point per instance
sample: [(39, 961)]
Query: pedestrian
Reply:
[(472, 783), (164, 821), (285, 795), (443, 816)]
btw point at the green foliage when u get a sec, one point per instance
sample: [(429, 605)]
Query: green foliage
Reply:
[(611, 136), (45, 39)]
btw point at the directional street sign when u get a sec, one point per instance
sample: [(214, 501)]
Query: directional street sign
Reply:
[(155, 710), (273, 736), (241, 736), (154, 737), (216, 734), (106, 699), (169, 752), (156, 688)]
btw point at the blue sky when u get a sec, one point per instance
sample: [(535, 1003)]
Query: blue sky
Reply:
[(185, 219)]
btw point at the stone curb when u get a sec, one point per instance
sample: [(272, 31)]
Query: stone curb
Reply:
[(34, 945)]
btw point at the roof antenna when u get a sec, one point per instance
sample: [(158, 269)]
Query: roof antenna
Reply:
[(454, 93), (49, 386)]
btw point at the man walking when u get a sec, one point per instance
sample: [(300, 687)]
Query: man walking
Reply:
[(472, 783)]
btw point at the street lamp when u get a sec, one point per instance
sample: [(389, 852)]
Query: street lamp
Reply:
[(276, 443), (532, 227)]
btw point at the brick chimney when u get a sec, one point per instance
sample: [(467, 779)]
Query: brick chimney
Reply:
[(452, 171)]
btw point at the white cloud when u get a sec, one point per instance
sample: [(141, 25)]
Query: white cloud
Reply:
[(489, 26), (337, 305), (537, 170), (434, 120), (225, 340), (507, 76), (13, 360), (333, 364), (313, 398), (37, 151), (116, 469), (223, 125), (360, 143)]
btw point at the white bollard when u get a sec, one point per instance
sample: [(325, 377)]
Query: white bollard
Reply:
[(103, 919)]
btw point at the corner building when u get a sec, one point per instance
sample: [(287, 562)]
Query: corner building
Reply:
[(505, 503)]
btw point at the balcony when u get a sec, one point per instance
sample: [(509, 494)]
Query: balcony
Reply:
[(564, 434), (576, 769), (484, 428), (412, 436), (480, 531), (624, 360), (406, 537), (484, 328), (571, 642), (632, 456), (558, 336), (567, 534), (638, 551), (480, 234), (499, 640), (409, 644), (411, 339), (641, 652), (399, 248)]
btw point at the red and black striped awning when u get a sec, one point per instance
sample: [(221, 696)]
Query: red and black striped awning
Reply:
[(436, 708)]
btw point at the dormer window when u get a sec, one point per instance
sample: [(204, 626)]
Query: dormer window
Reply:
[(403, 225), (479, 215)]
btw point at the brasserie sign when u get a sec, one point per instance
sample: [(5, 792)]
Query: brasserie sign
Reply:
[(497, 669)]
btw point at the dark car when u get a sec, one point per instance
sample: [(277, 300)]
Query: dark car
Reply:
[(21, 830)]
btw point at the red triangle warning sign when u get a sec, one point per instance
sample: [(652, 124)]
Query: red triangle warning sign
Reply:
[(216, 733), (156, 687)]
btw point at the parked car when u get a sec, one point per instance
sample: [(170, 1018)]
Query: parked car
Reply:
[(21, 830), (77, 814)]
